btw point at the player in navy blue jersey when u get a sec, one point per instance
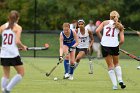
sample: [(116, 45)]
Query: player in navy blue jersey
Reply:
[(68, 41)]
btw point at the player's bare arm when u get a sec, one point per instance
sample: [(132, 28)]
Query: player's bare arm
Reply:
[(121, 37), (91, 38), (0, 30), (99, 29), (18, 30), (61, 44), (76, 39)]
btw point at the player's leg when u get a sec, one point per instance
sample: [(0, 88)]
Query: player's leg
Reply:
[(5, 78), (18, 65), (66, 62), (72, 60), (111, 71), (80, 55), (118, 71), (97, 48), (99, 55), (89, 54), (91, 50), (17, 78)]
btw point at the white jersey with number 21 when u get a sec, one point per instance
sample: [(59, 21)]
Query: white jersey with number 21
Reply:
[(110, 35)]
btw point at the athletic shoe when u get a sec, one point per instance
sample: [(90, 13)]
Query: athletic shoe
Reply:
[(70, 77), (138, 67), (115, 87), (66, 76), (5, 91), (122, 85)]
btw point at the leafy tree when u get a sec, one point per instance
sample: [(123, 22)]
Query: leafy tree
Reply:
[(51, 14)]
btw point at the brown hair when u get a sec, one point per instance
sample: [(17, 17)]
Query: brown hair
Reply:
[(66, 24), (117, 23), (12, 18)]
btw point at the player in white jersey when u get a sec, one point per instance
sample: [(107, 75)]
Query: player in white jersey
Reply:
[(11, 33), (110, 46), (84, 36)]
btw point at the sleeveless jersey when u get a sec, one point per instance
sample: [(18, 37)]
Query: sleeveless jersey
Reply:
[(110, 35), (83, 39), (9, 48), (69, 41)]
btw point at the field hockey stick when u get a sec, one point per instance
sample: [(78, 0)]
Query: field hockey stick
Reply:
[(38, 48), (137, 32), (130, 55), (132, 29), (90, 63), (48, 74)]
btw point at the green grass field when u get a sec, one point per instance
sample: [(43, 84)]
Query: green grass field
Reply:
[(35, 80)]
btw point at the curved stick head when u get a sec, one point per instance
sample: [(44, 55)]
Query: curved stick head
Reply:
[(47, 74), (46, 45)]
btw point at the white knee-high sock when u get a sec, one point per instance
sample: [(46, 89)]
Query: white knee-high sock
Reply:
[(76, 65), (112, 77), (16, 79), (4, 82), (118, 73)]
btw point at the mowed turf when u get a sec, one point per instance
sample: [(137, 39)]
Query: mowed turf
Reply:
[(35, 80)]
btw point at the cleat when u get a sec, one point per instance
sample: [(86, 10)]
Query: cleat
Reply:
[(122, 85), (66, 76), (70, 77), (138, 67), (5, 91), (115, 87)]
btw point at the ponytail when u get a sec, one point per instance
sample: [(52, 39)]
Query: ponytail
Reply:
[(119, 26), (114, 15), (13, 18)]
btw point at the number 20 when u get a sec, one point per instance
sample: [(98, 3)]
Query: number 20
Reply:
[(8, 38)]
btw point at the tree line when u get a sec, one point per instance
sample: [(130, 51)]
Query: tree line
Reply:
[(51, 14)]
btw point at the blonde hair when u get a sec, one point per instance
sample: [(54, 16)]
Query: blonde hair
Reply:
[(113, 15)]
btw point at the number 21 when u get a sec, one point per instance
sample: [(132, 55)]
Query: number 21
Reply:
[(110, 29)]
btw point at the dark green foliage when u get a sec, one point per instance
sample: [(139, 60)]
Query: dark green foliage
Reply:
[(51, 14)]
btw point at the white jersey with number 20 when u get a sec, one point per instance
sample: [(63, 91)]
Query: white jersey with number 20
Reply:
[(110, 35), (9, 48)]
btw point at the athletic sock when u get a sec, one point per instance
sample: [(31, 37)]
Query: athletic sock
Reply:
[(66, 66), (118, 73), (112, 77), (16, 79), (4, 82), (91, 66), (75, 65), (71, 69)]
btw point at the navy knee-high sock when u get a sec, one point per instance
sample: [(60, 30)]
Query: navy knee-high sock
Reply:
[(66, 66), (71, 69)]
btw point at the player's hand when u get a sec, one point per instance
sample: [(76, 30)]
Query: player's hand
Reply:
[(88, 50), (24, 48), (61, 59), (138, 33), (71, 49)]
